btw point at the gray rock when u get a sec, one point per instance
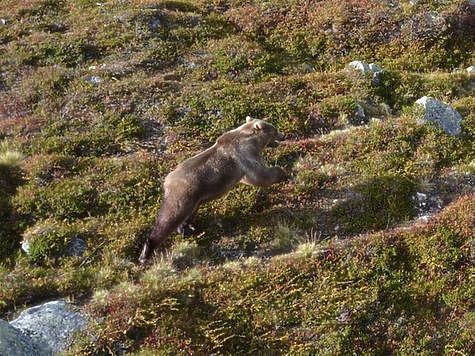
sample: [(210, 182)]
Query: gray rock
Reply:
[(307, 68), (94, 80), (374, 68), (3, 22), (368, 69), (426, 204), (155, 24), (76, 247), (14, 343), (360, 66), (359, 117), (441, 114), (470, 69), (50, 325)]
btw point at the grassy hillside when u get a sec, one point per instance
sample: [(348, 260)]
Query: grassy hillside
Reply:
[(100, 100)]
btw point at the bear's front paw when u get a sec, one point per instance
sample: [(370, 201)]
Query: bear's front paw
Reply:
[(283, 175), (146, 253)]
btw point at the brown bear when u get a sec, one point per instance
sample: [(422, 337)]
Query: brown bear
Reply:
[(236, 156)]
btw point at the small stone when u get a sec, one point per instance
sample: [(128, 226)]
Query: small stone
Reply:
[(25, 246), (470, 69), (344, 316), (155, 24), (366, 69), (375, 68), (190, 65), (3, 22), (359, 117), (441, 114), (421, 196), (76, 247), (359, 111), (307, 68), (94, 80), (360, 66)]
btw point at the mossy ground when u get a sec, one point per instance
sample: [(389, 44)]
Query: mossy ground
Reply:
[(103, 99)]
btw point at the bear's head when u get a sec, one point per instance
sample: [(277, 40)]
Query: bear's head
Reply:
[(262, 132)]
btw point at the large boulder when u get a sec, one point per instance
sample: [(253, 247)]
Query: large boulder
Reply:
[(441, 114), (50, 325), (14, 343)]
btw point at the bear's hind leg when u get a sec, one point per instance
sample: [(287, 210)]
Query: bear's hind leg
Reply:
[(169, 218)]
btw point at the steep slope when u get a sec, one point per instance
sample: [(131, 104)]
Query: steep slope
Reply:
[(103, 99)]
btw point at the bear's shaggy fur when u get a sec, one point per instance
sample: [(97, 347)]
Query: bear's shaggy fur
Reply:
[(236, 156)]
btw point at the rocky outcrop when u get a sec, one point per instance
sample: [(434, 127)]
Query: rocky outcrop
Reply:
[(50, 325), (441, 114), (15, 343)]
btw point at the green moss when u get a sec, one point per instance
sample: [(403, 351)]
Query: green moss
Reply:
[(311, 176), (130, 186), (67, 199), (108, 134), (48, 241), (233, 57), (236, 206), (380, 202)]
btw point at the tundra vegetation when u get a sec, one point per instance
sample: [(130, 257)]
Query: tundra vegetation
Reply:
[(100, 100)]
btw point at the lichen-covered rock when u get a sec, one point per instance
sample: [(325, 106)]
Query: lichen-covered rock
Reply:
[(360, 66), (359, 118), (50, 325), (76, 246), (368, 69), (15, 343), (441, 114), (374, 68)]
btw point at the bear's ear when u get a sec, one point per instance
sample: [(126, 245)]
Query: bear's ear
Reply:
[(248, 119), (259, 125)]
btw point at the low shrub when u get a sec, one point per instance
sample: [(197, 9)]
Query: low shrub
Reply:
[(380, 202)]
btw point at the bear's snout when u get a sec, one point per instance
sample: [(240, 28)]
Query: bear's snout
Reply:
[(275, 142)]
